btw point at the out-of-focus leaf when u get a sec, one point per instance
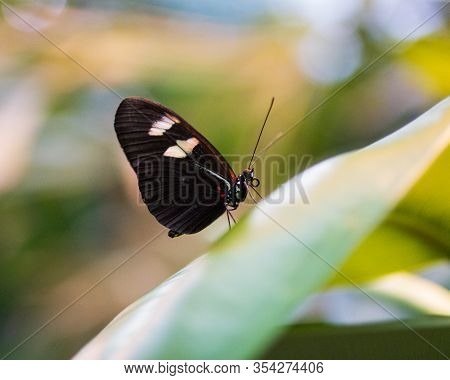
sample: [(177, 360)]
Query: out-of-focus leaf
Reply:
[(399, 295), (429, 340), (413, 292), (232, 302), (18, 129), (416, 232), (430, 58)]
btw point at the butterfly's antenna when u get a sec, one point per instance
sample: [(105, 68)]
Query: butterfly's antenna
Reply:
[(260, 133)]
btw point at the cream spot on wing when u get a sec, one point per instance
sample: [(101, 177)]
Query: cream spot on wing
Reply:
[(188, 145), (174, 151), (160, 126), (155, 132), (182, 148), (163, 124)]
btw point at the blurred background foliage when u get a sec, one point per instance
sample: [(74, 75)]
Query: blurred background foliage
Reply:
[(69, 207)]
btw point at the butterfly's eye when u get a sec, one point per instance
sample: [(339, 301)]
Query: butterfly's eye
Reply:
[(254, 182)]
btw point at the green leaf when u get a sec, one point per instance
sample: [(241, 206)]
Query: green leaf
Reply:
[(232, 302), (429, 58), (375, 341), (414, 293), (412, 235)]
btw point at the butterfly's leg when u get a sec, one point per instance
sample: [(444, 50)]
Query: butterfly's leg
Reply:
[(228, 218), (232, 217), (256, 191)]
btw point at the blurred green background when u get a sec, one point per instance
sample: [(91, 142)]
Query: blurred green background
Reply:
[(69, 205)]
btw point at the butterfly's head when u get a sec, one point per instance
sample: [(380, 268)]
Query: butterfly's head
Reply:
[(249, 178), (239, 190)]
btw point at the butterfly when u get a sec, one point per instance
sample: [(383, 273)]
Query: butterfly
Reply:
[(183, 179)]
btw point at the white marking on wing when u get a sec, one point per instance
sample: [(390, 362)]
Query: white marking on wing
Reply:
[(182, 148), (163, 124), (174, 151), (160, 126), (155, 132), (188, 145)]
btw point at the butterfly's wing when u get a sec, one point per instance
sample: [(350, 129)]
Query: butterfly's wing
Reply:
[(182, 178)]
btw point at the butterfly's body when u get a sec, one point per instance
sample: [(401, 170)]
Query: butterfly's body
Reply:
[(184, 181)]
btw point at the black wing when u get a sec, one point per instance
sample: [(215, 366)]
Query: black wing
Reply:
[(183, 179)]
